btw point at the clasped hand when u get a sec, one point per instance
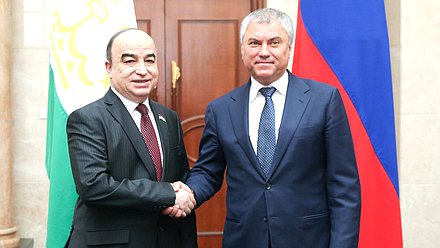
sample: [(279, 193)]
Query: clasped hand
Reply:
[(184, 203)]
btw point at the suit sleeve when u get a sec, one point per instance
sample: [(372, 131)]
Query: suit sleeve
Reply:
[(343, 186), (95, 183), (206, 177)]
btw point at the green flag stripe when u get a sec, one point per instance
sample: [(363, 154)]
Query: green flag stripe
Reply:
[(62, 196)]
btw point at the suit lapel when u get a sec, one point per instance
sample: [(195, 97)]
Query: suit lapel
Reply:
[(294, 107), (120, 113), (239, 112), (162, 127)]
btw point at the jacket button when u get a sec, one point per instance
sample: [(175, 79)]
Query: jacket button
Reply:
[(265, 219), (268, 186), (161, 229)]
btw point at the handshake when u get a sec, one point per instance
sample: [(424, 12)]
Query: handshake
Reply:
[(185, 201)]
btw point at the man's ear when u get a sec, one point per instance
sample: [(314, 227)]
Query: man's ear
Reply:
[(108, 68)]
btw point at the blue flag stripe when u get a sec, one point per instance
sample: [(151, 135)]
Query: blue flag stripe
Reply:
[(352, 37)]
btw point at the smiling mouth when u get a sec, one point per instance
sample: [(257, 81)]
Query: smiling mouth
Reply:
[(142, 81), (264, 62)]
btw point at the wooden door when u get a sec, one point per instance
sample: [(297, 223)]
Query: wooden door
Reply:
[(202, 37)]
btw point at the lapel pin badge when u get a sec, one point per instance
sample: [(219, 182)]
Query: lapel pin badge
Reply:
[(162, 118)]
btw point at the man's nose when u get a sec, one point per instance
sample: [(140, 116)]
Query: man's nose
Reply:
[(141, 68), (264, 52)]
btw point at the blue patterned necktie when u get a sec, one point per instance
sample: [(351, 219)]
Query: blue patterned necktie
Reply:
[(266, 131)]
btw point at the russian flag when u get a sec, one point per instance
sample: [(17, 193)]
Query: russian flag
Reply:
[(345, 43)]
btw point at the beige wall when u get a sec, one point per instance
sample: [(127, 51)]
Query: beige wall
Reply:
[(414, 28), (29, 100), (417, 54)]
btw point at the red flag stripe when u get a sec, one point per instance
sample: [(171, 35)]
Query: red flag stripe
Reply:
[(380, 217)]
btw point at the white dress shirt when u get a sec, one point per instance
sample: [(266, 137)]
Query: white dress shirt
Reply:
[(136, 115), (256, 104)]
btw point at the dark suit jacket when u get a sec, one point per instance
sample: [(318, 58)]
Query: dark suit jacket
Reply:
[(120, 200), (312, 195)]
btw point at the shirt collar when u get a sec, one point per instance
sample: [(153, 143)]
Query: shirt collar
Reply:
[(130, 105), (280, 85)]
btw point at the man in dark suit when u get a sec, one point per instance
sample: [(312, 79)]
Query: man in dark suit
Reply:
[(122, 178), (287, 150)]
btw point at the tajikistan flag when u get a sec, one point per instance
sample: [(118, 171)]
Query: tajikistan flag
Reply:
[(79, 34)]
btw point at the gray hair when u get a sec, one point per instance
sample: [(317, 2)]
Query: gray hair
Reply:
[(267, 15)]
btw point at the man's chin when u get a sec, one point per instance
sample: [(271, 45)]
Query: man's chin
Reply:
[(263, 77), (264, 71), (141, 94)]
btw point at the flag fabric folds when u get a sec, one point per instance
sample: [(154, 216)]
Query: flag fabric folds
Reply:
[(79, 33), (345, 44)]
